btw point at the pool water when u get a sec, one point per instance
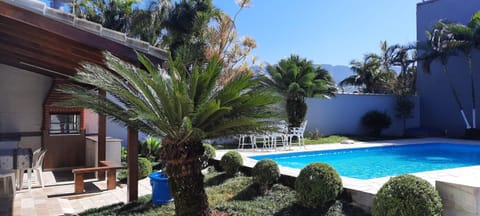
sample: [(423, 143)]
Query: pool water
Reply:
[(375, 162)]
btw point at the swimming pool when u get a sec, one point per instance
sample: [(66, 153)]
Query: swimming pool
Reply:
[(375, 162)]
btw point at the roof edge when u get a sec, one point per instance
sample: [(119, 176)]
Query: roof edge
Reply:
[(41, 8), (425, 2)]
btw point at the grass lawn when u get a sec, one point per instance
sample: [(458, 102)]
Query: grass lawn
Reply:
[(235, 196), (325, 140)]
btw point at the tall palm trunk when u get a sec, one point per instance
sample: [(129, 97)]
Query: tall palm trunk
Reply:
[(470, 71), (455, 95), (185, 177), (296, 110)]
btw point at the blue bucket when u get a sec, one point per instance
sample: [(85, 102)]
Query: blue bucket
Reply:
[(160, 190)]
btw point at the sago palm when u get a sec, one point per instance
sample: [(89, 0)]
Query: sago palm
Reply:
[(181, 106), (297, 78), (439, 46)]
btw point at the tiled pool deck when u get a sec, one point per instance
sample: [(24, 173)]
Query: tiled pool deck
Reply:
[(468, 176)]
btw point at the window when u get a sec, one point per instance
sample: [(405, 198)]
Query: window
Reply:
[(65, 123)]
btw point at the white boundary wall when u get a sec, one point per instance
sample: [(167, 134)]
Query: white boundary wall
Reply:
[(342, 114)]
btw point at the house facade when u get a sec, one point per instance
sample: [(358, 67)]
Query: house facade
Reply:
[(39, 48), (438, 108)]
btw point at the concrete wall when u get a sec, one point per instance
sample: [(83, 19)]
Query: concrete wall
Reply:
[(459, 199), (21, 98), (438, 107), (342, 114)]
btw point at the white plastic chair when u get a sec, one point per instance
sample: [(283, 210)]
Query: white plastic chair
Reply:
[(297, 132), (37, 166)]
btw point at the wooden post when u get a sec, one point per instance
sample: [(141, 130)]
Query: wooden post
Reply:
[(111, 179), (102, 139), (132, 160), (78, 182)]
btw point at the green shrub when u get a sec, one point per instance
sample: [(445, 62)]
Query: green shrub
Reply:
[(407, 195), (150, 148), (208, 153), (266, 172), (317, 185), (231, 162), (144, 167), (376, 121)]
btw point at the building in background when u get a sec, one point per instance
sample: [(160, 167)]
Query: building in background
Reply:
[(438, 109)]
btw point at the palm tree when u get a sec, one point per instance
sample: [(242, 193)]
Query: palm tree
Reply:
[(114, 14), (405, 57), (440, 47), (147, 24), (464, 41), (370, 76), (298, 78), (183, 107), (185, 26)]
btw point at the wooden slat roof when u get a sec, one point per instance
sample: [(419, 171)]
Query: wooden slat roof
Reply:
[(49, 41)]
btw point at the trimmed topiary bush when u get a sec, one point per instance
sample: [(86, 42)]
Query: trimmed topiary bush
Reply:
[(376, 121), (266, 172), (317, 185), (407, 195), (231, 162), (144, 167), (208, 153)]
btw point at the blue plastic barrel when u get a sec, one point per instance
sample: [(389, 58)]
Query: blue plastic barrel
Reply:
[(160, 189)]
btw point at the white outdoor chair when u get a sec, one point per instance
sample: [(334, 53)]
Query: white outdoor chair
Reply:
[(298, 133), (265, 138), (246, 140), (37, 167), (281, 134)]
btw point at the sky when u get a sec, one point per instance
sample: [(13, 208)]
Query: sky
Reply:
[(323, 31)]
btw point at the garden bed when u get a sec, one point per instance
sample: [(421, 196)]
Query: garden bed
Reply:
[(234, 196)]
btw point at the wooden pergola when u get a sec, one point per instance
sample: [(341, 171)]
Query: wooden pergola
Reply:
[(53, 43)]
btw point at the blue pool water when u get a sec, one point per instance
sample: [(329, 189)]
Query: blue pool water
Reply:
[(375, 162)]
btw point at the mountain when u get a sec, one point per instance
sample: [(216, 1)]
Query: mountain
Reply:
[(338, 72)]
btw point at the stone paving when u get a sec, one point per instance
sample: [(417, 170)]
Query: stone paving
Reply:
[(58, 198)]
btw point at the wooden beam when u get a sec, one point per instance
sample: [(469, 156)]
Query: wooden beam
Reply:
[(102, 138), (66, 31), (132, 160), (32, 38)]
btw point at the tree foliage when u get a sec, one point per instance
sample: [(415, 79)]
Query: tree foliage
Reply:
[(297, 78), (183, 107)]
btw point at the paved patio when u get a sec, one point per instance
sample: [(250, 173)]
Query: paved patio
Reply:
[(57, 198)]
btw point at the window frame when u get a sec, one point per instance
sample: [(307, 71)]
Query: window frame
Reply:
[(72, 119)]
